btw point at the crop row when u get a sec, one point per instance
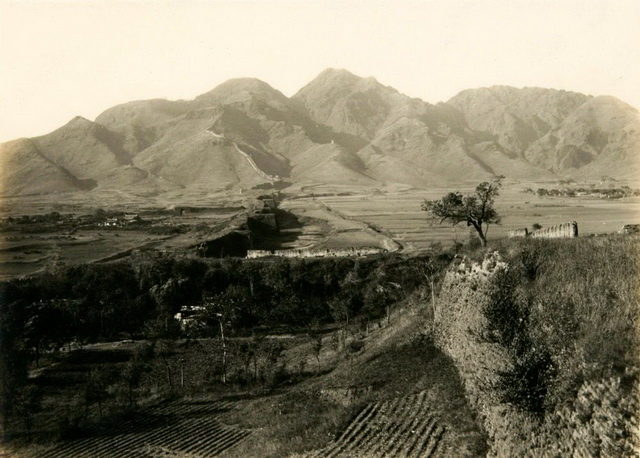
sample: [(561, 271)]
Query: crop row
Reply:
[(401, 427), (170, 430)]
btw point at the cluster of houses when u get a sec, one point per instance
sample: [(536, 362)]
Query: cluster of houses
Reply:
[(600, 193), (120, 221)]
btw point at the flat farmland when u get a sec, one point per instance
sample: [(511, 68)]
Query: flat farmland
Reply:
[(26, 249), (399, 214), (338, 217), (23, 254), (120, 200), (339, 230)]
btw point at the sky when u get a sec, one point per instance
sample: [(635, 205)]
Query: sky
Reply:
[(62, 58)]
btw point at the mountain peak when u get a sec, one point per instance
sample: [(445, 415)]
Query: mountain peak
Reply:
[(506, 94), (239, 88), (614, 102), (245, 84), (337, 73), (338, 128), (79, 121), (340, 79)]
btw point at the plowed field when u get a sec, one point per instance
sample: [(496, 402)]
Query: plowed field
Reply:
[(176, 429), (400, 427)]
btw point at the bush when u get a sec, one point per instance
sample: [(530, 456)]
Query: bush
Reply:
[(575, 302), (531, 259), (586, 305), (526, 383)]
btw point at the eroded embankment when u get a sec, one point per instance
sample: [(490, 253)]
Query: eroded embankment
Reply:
[(599, 419)]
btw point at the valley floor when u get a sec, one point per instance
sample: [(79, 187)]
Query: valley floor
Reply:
[(332, 217)]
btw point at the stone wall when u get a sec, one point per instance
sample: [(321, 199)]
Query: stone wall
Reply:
[(524, 232), (602, 419), (326, 253), (560, 231)]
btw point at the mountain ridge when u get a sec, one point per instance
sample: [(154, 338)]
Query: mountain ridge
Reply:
[(338, 128)]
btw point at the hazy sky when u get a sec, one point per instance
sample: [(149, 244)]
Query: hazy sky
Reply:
[(60, 58)]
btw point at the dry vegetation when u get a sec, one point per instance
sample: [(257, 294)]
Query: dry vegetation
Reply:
[(564, 320), (548, 345)]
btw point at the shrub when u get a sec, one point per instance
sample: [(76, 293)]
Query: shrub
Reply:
[(525, 384), (531, 259), (575, 302), (587, 303)]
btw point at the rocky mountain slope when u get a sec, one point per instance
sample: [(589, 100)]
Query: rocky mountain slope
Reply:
[(25, 170), (339, 128)]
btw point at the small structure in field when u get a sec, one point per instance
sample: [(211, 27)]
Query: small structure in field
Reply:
[(189, 316), (630, 229)]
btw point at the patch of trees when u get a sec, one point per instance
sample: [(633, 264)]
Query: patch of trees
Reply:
[(104, 301), (603, 193), (51, 217), (54, 220), (75, 305), (36, 223)]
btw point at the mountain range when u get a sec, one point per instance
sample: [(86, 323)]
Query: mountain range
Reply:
[(339, 128)]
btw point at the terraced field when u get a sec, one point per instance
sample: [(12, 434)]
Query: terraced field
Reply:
[(402, 427), (176, 429)]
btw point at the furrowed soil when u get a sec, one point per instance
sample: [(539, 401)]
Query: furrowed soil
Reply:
[(398, 394)]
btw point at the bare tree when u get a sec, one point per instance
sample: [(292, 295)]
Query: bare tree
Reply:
[(222, 308)]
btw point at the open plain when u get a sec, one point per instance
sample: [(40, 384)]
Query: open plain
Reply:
[(332, 217), (398, 213)]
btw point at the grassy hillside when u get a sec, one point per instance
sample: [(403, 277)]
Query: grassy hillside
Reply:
[(545, 337)]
